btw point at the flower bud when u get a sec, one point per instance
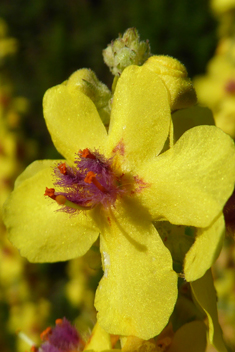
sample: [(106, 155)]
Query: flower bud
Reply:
[(175, 77), (125, 51), (86, 81)]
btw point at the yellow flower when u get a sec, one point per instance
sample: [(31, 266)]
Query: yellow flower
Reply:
[(189, 184), (8, 45), (221, 6), (217, 91)]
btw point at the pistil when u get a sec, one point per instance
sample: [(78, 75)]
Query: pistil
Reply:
[(62, 200)]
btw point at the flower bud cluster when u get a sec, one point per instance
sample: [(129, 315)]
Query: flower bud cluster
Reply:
[(125, 51)]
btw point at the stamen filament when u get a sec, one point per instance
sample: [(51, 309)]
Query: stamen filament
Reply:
[(90, 178)]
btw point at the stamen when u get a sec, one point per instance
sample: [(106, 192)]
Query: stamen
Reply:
[(59, 321), (63, 169), (45, 334), (76, 183), (50, 192), (85, 153), (91, 178)]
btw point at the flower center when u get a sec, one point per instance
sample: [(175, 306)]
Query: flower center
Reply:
[(89, 182), (230, 87)]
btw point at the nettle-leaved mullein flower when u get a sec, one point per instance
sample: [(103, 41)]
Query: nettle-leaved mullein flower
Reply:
[(116, 184)]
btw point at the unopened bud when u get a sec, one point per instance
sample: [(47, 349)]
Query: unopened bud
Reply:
[(175, 77), (86, 81), (125, 51)]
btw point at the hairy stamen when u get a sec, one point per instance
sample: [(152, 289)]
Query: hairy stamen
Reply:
[(91, 178)]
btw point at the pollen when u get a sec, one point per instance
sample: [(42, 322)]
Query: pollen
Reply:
[(85, 153), (34, 349), (50, 192), (63, 169), (59, 321), (90, 177)]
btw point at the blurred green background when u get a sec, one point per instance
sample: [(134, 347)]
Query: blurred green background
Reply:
[(58, 37)]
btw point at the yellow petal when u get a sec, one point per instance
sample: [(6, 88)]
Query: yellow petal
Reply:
[(35, 227), (99, 340), (190, 183), (140, 116), (205, 250), (138, 291), (205, 294), (190, 337), (72, 120)]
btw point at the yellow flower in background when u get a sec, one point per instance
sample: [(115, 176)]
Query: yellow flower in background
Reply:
[(8, 45), (217, 91), (78, 290), (223, 11), (221, 6), (214, 87), (30, 316), (116, 184)]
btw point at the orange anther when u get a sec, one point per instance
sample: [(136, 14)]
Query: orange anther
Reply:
[(34, 349), (63, 169), (50, 192), (59, 321), (45, 334), (91, 178), (85, 153)]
